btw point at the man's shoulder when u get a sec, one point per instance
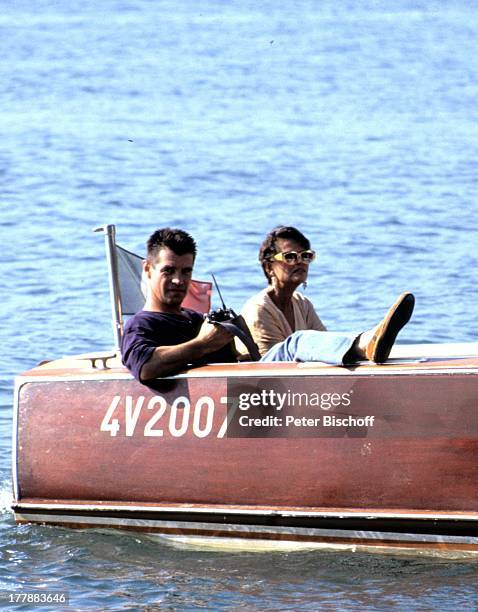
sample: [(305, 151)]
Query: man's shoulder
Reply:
[(148, 318), (141, 319)]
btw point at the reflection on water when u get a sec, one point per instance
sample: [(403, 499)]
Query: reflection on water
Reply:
[(211, 543)]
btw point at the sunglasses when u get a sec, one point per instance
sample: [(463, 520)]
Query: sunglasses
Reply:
[(292, 257)]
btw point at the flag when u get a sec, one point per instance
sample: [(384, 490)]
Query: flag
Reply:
[(198, 296), (131, 287)]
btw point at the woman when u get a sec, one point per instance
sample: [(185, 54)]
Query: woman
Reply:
[(286, 327), (279, 310)]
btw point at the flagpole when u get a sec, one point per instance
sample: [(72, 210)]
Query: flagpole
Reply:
[(113, 277)]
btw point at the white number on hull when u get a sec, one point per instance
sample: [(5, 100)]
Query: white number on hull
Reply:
[(180, 421), (184, 412), (109, 423), (209, 402), (132, 414), (148, 430)]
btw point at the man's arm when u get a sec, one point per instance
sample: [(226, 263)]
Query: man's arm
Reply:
[(167, 359)]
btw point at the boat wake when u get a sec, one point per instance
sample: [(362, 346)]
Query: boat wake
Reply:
[(220, 544), (234, 544), (5, 496)]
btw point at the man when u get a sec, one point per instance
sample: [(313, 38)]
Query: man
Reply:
[(163, 337)]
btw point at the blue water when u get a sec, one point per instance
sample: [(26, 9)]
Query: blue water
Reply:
[(355, 121)]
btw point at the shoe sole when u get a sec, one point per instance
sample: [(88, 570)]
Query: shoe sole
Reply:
[(398, 316)]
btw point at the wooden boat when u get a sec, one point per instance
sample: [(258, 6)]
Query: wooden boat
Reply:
[(382, 456)]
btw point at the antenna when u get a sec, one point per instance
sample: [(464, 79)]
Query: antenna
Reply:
[(218, 291)]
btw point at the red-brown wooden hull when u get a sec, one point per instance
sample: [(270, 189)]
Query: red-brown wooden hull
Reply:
[(94, 448)]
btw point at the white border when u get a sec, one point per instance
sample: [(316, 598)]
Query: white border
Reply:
[(367, 514)]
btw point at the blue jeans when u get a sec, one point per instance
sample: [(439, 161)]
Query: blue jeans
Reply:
[(310, 345)]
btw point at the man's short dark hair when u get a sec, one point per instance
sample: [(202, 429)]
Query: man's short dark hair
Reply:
[(179, 241), (269, 248)]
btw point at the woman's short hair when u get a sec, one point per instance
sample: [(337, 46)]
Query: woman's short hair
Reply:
[(269, 248)]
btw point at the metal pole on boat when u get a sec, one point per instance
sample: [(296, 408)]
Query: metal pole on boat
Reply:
[(113, 277)]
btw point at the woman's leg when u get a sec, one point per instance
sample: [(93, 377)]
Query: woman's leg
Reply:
[(309, 345)]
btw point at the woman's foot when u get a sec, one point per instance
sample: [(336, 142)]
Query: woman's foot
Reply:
[(376, 344)]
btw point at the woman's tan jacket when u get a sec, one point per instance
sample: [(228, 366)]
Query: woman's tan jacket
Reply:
[(268, 324)]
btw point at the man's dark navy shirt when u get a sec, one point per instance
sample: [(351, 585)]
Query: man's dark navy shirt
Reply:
[(147, 330)]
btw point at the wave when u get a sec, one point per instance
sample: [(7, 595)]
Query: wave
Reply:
[(5, 496)]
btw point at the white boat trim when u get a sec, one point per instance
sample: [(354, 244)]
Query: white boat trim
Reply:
[(16, 493), (342, 514), (302, 369), (445, 349)]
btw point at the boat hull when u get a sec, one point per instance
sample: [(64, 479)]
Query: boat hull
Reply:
[(372, 455)]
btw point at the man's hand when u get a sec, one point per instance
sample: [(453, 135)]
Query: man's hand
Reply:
[(214, 336)]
